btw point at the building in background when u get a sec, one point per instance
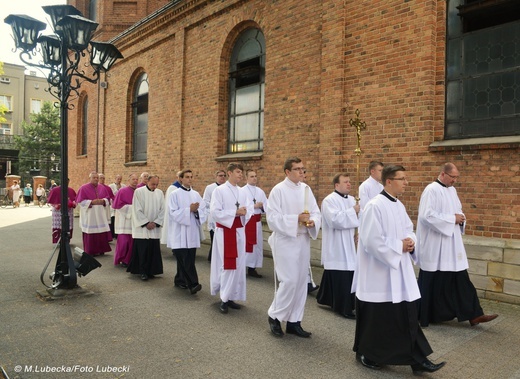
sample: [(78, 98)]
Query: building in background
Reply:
[(22, 95), (256, 81)]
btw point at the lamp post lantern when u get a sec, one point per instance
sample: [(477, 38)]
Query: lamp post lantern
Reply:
[(61, 54)]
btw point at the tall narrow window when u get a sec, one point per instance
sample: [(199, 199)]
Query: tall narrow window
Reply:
[(247, 87), (36, 106), (84, 126), (92, 10), (483, 69), (140, 119)]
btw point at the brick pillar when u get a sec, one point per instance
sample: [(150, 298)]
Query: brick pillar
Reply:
[(9, 180), (36, 181)]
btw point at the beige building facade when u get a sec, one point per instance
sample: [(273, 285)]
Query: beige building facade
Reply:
[(21, 94)]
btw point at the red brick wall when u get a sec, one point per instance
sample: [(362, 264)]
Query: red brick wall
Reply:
[(115, 16), (325, 59)]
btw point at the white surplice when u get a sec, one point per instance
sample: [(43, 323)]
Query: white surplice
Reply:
[(123, 220), (147, 206), (166, 222), (207, 199), (113, 187), (340, 220), (440, 246), (368, 190), (255, 258), (230, 283), (93, 218), (184, 226), (290, 245), (384, 273)]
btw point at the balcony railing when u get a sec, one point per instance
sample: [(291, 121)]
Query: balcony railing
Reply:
[(6, 141)]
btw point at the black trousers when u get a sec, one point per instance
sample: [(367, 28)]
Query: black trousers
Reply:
[(186, 266)]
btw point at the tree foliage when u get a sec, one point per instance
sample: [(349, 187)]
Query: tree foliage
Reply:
[(40, 140)]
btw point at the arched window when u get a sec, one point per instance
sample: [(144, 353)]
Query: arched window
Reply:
[(140, 119), (84, 126), (246, 91)]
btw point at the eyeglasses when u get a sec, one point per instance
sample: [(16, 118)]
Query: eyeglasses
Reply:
[(397, 178), (221, 175), (298, 169), (451, 176)]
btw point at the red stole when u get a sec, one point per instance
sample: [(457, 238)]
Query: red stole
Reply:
[(251, 232), (230, 244)]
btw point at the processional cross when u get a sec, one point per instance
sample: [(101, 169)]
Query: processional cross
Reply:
[(359, 125)]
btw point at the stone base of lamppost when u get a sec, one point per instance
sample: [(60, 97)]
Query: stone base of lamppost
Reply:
[(60, 293), (65, 285)]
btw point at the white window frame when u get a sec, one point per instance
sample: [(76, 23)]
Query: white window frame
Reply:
[(7, 102), (40, 105)]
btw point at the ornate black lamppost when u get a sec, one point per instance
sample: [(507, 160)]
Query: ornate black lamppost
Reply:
[(63, 56)]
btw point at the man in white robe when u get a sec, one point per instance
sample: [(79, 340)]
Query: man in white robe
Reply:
[(294, 217), (387, 328), (147, 217), (220, 178), (446, 290), (164, 235), (254, 234), (108, 209), (231, 209), (372, 186), (187, 212), (339, 212)]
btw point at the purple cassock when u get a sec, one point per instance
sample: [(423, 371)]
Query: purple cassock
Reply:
[(123, 225), (93, 219), (54, 200)]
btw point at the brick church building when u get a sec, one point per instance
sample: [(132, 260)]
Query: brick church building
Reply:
[(207, 82)]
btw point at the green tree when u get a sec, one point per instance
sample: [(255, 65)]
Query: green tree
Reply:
[(40, 141)]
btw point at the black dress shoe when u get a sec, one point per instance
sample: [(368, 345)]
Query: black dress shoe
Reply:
[(231, 304), (223, 307), (253, 273), (483, 318), (296, 328), (426, 366), (350, 316), (311, 288), (181, 286), (144, 277), (275, 326), (367, 362), (194, 290)]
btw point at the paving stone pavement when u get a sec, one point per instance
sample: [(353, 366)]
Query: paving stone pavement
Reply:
[(153, 330)]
